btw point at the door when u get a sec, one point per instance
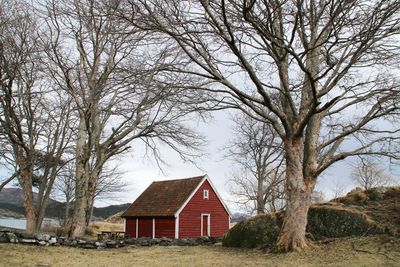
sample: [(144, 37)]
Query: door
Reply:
[(205, 224)]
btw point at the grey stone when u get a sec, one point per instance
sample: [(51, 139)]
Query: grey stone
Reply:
[(190, 242), (187, 242), (164, 243), (88, 245), (81, 242), (60, 240), (43, 243), (154, 241), (131, 241), (111, 244), (28, 241), (52, 240), (99, 244), (23, 235), (12, 238), (143, 242), (44, 237), (3, 237), (166, 239)]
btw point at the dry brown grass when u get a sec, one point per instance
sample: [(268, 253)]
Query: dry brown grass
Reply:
[(367, 251), (97, 226)]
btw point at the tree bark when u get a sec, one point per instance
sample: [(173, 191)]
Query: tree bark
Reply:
[(30, 210), (78, 220), (260, 196), (299, 189), (81, 183), (90, 199)]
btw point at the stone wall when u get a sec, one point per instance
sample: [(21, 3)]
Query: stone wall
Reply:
[(52, 240)]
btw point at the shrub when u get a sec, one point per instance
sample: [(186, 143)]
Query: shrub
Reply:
[(376, 193), (355, 197)]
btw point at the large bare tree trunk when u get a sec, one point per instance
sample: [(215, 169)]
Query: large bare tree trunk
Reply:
[(260, 197), (90, 198), (78, 221), (299, 189), (81, 183), (29, 206)]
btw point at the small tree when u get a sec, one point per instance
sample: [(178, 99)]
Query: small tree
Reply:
[(65, 188), (257, 151), (368, 174), (338, 189)]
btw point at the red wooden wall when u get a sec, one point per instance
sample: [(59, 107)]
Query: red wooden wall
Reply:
[(130, 227), (190, 216), (145, 227), (165, 227)]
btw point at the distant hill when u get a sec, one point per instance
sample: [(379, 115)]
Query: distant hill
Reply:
[(13, 196), (108, 211), (12, 199), (238, 217)]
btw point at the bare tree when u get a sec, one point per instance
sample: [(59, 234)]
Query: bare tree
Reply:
[(109, 185), (338, 189), (322, 73), (65, 188), (33, 118), (258, 152), (368, 174), (112, 71)]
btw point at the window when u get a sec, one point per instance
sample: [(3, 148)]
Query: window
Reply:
[(205, 194)]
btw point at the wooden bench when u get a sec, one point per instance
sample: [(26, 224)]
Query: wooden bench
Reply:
[(111, 235)]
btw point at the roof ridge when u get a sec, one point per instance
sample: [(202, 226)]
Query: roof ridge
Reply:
[(179, 179)]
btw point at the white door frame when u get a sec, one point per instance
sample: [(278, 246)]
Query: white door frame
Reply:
[(208, 224)]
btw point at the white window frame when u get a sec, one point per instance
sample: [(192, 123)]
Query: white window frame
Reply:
[(208, 224), (206, 194)]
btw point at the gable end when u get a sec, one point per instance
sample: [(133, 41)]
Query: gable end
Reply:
[(206, 178)]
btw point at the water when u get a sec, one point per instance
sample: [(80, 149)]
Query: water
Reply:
[(13, 223), (21, 223)]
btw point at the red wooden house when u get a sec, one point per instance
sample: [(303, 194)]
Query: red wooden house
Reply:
[(176, 209)]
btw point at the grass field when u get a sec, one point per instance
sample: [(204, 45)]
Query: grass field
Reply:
[(367, 251)]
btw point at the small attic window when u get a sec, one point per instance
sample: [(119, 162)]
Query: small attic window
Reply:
[(205, 194)]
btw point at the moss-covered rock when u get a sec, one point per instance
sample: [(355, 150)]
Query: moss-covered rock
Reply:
[(258, 231), (330, 221), (324, 221)]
